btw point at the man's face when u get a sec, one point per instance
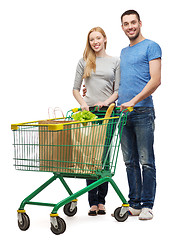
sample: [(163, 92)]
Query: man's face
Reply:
[(131, 26)]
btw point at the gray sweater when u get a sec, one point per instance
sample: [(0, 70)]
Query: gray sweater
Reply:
[(102, 83)]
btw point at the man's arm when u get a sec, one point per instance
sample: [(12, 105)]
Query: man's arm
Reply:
[(151, 86)]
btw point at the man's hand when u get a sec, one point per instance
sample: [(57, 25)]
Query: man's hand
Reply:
[(126, 105), (84, 91)]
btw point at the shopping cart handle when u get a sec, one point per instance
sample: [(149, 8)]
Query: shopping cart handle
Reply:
[(130, 109), (96, 108), (74, 110)]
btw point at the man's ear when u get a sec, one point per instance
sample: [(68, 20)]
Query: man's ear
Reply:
[(140, 22)]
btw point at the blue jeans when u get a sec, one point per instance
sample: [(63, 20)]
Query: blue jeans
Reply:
[(97, 195), (137, 147)]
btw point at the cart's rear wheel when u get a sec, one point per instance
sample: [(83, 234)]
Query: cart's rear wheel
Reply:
[(68, 211), (118, 217), (59, 227), (24, 223)]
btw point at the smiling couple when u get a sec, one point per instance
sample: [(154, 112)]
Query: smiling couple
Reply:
[(130, 80)]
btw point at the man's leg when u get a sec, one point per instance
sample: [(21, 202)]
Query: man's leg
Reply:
[(131, 159)]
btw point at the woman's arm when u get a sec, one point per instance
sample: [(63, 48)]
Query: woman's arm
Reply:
[(80, 100), (108, 101), (77, 85)]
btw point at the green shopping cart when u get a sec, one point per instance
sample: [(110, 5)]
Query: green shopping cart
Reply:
[(70, 149)]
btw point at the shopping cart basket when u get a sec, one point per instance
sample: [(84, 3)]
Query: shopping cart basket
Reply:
[(67, 148)]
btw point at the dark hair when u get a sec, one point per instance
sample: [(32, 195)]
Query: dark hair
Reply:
[(129, 12)]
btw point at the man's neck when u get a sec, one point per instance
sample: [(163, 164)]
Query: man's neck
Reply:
[(140, 38)]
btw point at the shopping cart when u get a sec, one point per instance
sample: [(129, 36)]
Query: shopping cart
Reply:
[(69, 149)]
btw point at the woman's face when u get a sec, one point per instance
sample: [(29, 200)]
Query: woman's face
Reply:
[(97, 41)]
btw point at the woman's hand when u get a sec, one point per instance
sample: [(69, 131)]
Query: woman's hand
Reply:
[(108, 101), (84, 107), (101, 104), (80, 100)]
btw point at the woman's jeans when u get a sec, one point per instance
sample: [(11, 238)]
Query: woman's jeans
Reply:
[(97, 195), (137, 147)]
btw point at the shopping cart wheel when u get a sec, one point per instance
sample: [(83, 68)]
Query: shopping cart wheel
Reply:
[(58, 225), (70, 209), (23, 221), (118, 216)]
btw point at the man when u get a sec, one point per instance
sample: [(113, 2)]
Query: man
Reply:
[(140, 76)]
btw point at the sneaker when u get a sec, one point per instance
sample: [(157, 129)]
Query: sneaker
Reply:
[(134, 212), (146, 214)]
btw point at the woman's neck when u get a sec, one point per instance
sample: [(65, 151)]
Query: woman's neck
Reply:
[(101, 54)]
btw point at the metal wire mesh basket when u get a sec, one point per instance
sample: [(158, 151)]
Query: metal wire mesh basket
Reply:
[(71, 148)]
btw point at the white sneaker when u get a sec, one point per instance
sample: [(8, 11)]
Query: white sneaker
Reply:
[(146, 214), (134, 212)]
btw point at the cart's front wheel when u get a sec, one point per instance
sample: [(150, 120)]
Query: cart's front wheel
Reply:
[(69, 209), (118, 217), (23, 222), (58, 225)]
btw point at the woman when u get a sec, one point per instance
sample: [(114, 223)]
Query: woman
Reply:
[(101, 74)]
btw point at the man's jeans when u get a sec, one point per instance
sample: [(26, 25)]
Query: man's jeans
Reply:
[(137, 147)]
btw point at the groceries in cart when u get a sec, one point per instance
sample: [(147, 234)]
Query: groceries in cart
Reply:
[(83, 116)]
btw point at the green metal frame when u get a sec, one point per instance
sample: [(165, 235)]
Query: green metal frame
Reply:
[(72, 196)]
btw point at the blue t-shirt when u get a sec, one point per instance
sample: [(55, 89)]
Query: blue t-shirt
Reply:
[(134, 65)]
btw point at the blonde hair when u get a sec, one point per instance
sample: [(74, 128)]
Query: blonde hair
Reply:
[(89, 55)]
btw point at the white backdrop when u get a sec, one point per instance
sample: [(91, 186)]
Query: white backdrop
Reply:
[(40, 44)]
